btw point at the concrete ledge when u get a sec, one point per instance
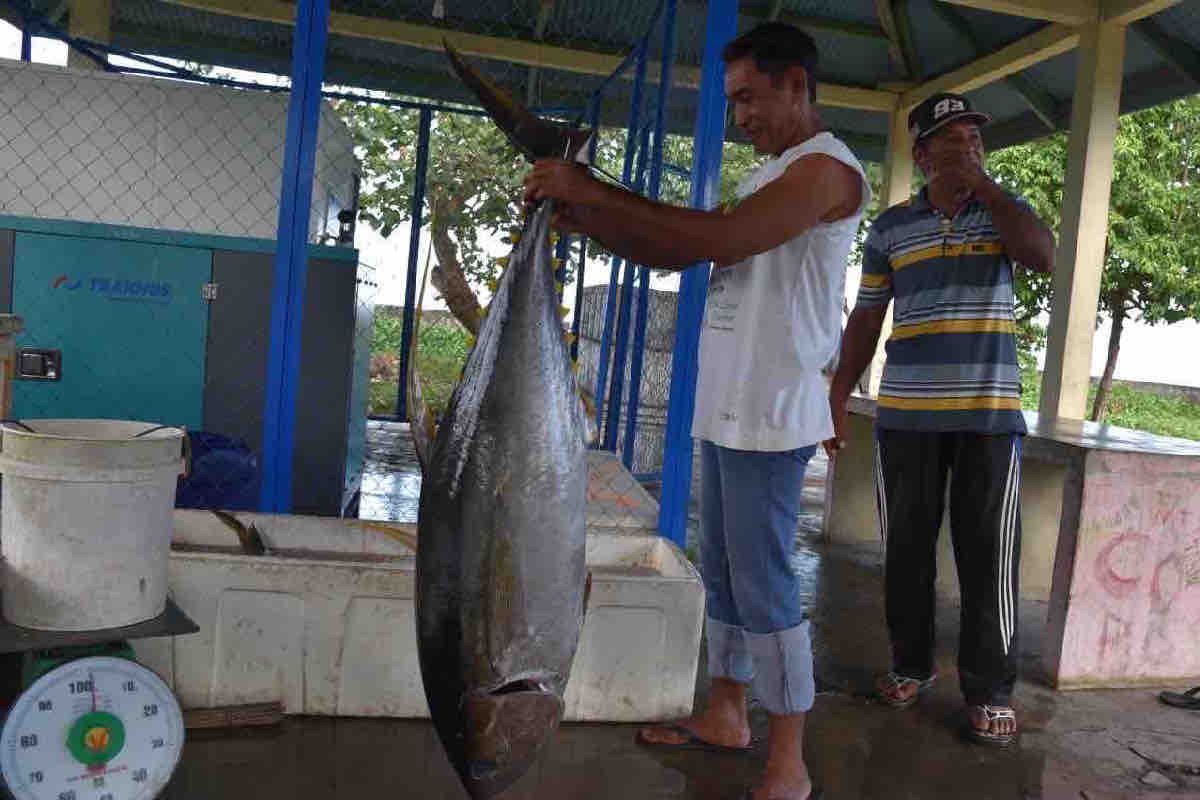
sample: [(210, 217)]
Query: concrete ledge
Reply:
[(325, 625)]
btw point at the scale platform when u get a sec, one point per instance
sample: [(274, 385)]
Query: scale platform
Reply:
[(172, 622)]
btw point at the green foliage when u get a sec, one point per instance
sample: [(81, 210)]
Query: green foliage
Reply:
[(473, 185), (1166, 416), (1128, 407), (1152, 264), (442, 348)]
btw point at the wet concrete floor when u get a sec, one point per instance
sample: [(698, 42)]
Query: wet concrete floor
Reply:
[(1077, 745)]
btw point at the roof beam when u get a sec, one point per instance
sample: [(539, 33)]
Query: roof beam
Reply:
[(1066, 12), (1126, 12), (517, 51), (1180, 55), (893, 17), (1037, 98), (1050, 41), (545, 10), (832, 25)]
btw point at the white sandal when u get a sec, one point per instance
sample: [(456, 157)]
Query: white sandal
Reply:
[(896, 682), (992, 714)]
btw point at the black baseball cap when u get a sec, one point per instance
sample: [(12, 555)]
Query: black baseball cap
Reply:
[(939, 111)]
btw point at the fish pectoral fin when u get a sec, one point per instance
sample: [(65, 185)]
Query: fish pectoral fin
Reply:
[(587, 413), (420, 419), (250, 537)]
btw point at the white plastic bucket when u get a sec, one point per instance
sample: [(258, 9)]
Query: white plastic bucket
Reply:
[(86, 521)]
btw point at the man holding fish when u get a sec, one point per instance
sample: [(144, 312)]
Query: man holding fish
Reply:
[(772, 325)]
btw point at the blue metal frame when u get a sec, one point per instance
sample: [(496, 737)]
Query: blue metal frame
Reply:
[(631, 139), (721, 27), (635, 153), (624, 354), (27, 21), (581, 271), (637, 357), (415, 215), (291, 259)]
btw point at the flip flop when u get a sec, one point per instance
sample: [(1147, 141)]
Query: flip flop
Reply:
[(1189, 700), (895, 681), (986, 737), (691, 742)]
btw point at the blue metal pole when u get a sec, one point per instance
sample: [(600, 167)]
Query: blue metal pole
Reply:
[(594, 123), (26, 34), (721, 26), (616, 382), (415, 214), (631, 139), (622, 354), (561, 251), (291, 256), (643, 300)]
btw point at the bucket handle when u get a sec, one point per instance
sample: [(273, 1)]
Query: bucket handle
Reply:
[(187, 446)]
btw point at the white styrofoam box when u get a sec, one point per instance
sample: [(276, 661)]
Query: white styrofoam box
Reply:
[(130, 150), (325, 624)]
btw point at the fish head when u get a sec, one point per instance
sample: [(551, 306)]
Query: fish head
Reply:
[(504, 730)]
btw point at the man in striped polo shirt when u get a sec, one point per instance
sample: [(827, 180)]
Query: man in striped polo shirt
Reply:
[(949, 407)]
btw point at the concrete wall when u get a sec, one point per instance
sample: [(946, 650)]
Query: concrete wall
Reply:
[(124, 150), (1127, 607)]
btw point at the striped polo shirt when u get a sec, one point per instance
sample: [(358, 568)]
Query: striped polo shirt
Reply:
[(952, 356)]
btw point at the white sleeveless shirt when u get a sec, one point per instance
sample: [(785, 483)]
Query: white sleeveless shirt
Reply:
[(771, 325)]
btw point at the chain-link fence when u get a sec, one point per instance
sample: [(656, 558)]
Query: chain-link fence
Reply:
[(140, 209)]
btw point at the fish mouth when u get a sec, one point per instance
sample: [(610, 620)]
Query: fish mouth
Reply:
[(506, 728)]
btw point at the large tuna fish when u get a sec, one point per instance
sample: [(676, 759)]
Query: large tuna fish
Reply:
[(501, 539)]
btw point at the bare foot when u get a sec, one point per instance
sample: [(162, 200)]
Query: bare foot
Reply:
[(786, 777), (723, 723), (704, 726), (783, 786)]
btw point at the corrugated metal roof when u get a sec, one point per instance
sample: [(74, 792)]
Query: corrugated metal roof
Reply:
[(854, 51)]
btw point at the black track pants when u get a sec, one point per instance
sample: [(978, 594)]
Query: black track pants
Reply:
[(984, 474)]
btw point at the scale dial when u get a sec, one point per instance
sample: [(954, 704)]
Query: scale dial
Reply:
[(96, 728)]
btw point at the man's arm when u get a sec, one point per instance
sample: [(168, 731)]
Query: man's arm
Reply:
[(1028, 240), (669, 237), (858, 349)]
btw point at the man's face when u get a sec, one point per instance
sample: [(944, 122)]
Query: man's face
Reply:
[(948, 148), (767, 110)]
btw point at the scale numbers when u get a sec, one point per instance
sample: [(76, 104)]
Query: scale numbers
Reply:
[(92, 729)]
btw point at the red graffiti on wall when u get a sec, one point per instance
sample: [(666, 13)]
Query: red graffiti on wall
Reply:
[(1119, 566)]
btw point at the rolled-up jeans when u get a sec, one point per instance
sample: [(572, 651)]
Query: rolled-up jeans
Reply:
[(757, 630)]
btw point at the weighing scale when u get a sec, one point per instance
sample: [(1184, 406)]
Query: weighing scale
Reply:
[(89, 722)]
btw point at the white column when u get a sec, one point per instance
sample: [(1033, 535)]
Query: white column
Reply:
[(92, 20), (897, 187), (1080, 259)]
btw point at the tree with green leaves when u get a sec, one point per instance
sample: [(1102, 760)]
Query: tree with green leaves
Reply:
[(472, 190), (1152, 254), (473, 187)]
